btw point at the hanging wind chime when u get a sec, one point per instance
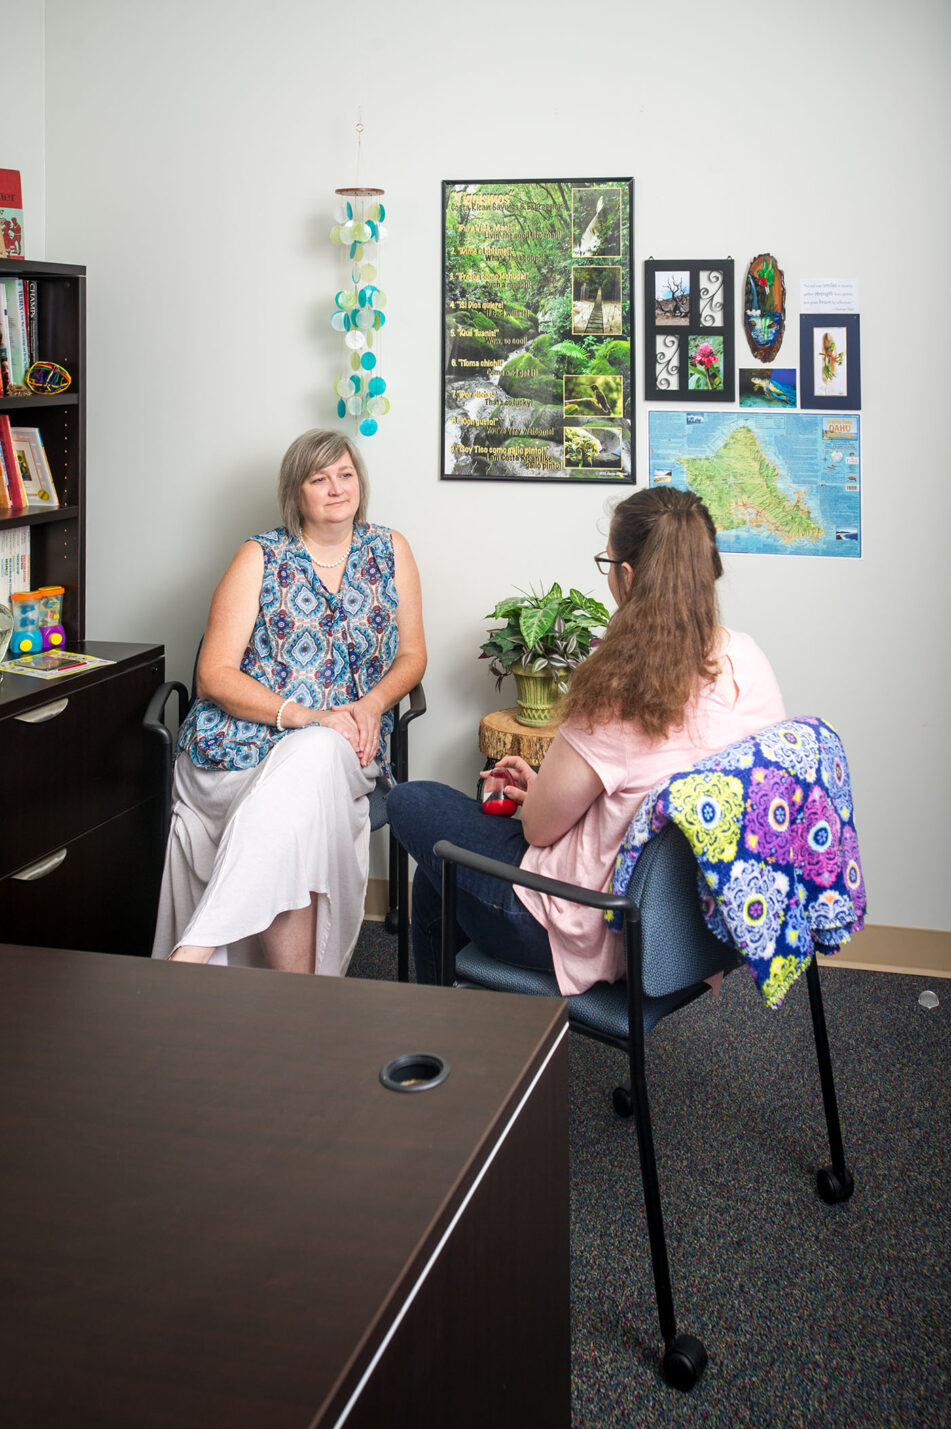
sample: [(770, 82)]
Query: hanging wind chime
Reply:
[(359, 317)]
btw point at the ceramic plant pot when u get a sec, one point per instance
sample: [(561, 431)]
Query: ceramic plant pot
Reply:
[(534, 695)]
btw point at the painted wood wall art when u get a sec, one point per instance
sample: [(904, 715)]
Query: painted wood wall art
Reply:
[(764, 307), (688, 330), (537, 320), (829, 368)]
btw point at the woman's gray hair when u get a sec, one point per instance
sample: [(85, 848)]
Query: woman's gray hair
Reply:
[(312, 452)]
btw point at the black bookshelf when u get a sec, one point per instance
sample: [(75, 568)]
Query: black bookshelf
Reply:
[(58, 537)]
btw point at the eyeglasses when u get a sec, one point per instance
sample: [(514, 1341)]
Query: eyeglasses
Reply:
[(604, 561)]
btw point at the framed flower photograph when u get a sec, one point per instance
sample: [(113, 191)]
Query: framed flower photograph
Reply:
[(829, 369), (688, 330)]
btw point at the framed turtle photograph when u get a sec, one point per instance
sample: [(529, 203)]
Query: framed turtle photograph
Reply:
[(829, 368), (537, 322), (688, 330)]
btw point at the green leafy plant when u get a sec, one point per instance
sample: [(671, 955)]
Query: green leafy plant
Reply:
[(545, 632)]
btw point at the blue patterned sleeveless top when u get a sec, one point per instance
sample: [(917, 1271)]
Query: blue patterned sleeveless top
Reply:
[(309, 645)]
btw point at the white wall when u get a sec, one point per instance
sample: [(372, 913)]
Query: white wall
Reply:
[(192, 150), (22, 126)]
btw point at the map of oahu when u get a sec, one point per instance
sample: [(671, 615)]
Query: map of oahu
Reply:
[(740, 488), (776, 483)]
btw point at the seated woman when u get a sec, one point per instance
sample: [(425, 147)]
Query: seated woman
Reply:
[(315, 632), (667, 685)]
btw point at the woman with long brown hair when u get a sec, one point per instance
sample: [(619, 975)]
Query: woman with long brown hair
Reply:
[(667, 685)]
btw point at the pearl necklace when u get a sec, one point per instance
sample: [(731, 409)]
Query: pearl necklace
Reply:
[(325, 565)]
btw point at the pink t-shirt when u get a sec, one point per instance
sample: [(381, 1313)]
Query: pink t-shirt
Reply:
[(744, 699)]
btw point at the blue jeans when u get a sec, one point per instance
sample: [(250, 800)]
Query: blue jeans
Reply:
[(488, 912)]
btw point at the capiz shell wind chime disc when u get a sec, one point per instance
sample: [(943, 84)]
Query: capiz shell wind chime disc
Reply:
[(359, 315)]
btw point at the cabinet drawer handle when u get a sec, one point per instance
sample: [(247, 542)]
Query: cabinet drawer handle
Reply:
[(42, 867), (45, 712)]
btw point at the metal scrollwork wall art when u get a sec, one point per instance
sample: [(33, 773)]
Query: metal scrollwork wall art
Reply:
[(688, 329)]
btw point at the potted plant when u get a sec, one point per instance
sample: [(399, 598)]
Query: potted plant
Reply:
[(545, 635)]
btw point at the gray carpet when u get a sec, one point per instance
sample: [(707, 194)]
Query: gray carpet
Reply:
[(827, 1316)]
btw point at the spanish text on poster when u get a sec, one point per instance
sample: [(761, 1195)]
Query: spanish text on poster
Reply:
[(537, 293)]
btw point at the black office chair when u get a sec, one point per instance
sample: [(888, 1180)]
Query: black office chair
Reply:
[(669, 951), (397, 914)]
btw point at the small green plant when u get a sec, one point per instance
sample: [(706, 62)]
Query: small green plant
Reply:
[(545, 632)]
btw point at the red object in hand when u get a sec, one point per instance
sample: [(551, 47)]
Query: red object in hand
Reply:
[(494, 800)]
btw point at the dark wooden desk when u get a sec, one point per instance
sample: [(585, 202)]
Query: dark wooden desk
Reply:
[(213, 1213)]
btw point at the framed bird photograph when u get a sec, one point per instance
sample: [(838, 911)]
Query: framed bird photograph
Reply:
[(829, 361)]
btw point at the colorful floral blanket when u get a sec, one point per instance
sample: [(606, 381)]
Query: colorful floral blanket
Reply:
[(770, 823)]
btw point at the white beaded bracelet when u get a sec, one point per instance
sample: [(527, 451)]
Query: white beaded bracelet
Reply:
[(277, 722)]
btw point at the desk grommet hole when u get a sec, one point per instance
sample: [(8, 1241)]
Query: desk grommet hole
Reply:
[(414, 1072)]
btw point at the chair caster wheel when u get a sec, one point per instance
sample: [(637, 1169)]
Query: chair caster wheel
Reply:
[(685, 1360), (623, 1101), (392, 921), (833, 1187)]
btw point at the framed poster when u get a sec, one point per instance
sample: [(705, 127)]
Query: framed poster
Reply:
[(537, 320), (829, 371), (688, 330)]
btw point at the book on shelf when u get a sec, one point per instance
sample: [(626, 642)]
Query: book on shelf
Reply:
[(16, 319), (5, 499), (11, 214), (5, 344), (14, 561), (11, 464), (34, 467), (32, 294), (50, 664)]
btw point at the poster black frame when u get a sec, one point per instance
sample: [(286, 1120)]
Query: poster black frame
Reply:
[(563, 474)]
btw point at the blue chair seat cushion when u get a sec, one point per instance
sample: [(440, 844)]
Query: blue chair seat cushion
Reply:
[(377, 798), (601, 1010)]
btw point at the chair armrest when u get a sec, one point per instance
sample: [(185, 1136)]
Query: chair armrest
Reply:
[(508, 873), (451, 855), (399, 739), (154, 721), (154, 718)]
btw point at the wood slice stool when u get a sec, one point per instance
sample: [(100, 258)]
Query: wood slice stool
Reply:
[(500, 733)]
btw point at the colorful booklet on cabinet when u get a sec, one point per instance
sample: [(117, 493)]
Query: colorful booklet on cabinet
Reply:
[(50, 664), (11, 214)]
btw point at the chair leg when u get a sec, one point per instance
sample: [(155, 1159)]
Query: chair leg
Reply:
[(685, 1358), (834, 1183), (402, 914), (391, 921)]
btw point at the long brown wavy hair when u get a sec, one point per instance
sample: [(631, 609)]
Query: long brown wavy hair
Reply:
[(658, 646)]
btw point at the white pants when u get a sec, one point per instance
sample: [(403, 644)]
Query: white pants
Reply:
[(245, 845)]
